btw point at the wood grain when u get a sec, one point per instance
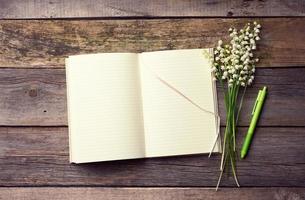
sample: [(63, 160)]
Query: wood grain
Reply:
[(32, 97), (20, 9), (39, 157), (90, 193), (37, 97), (45, 43)]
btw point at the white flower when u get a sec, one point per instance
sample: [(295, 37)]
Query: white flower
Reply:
[(234, 61), (246, 61)]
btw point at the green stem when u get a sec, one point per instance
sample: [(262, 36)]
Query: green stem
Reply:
[(225, 139), (229, 142), (240, 104), (221, 172)]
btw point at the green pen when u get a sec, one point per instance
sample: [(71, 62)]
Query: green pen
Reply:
[(255, 116)]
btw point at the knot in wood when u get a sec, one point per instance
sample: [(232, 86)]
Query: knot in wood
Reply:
[(33, 92)]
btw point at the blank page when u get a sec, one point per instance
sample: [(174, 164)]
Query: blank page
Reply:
[(173, 125), (104, 107)]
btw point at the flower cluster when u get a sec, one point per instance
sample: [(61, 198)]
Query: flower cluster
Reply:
[(234, 62)]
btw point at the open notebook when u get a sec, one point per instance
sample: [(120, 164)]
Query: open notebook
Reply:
[(128, 105)]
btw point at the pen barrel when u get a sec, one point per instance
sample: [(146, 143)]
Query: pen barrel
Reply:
[(253, 123)]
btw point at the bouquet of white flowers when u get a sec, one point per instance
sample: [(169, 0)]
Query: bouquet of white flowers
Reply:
[(234, 67)]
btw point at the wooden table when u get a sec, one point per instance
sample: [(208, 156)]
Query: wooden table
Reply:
[(33, 118)]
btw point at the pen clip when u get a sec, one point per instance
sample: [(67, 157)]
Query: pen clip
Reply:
[(258, 96)]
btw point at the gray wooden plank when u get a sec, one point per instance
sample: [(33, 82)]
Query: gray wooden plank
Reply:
[(37, 97), (76, 193), (45, 43), (33, 97), (20, 9), (39, 157)]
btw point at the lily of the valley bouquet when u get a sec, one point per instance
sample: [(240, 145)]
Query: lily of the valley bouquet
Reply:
[(234, 68)]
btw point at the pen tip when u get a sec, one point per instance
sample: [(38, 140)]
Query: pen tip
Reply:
[(242, 155)]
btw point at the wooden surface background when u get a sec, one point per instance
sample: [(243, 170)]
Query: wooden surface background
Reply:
[(33, 119)]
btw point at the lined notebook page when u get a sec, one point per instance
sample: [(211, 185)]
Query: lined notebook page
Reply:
[(104, 107), (172, 124)]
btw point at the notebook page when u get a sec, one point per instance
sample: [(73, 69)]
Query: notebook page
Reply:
[(105, 108), (173, 125)]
